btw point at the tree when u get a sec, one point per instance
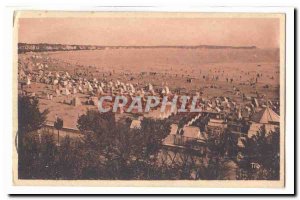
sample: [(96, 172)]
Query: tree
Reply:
[(230, 144), (96, 122), (262, 150), (214, 170), (37, 158), (152, 133), (29, 116), (28, 157), (122, 153), (216, 157), (69, 160), (30, 119), (58, 124)]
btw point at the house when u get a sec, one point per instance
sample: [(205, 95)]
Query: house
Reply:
[(193, 133), (191, 139), (237, 129), (215, 128), (217, 123), (135, 124), (162, 113), (174, 129)]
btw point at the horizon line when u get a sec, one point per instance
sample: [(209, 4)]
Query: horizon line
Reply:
[(201, 45)]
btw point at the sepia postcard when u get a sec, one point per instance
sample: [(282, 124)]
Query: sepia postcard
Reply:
[(140, 99)]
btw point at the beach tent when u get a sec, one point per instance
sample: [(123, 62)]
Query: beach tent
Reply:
[(22, 73), (100, 90), (28, 82), (167, 90), (57, 92), (65, 91), (255, 102), (74, 90), (80, 89), (65, 83), (76, 101), (265, 116), (90, 88)]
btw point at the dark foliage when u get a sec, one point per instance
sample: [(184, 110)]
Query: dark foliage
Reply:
[(263, 150), (29, 116), (111, 150)]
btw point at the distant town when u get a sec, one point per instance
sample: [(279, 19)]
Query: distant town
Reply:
[(24, 47)]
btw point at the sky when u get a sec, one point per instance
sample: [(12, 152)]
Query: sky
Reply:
[(113, 31)]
